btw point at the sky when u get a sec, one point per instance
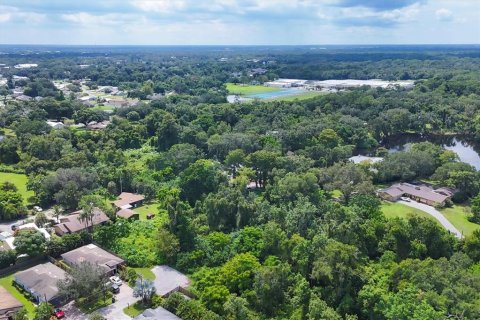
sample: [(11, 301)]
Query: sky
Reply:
[(239, 22)]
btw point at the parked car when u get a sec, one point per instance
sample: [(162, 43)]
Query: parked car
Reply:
[(37, 208), (114, 288), (116, 280), (406, 199), (59, 313)]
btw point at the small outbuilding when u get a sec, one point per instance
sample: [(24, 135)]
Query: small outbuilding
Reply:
[(127, 200), (128, 214)]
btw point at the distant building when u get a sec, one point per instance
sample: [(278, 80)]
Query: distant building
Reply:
[(9, 305), (25, 65), (421, 193), (24, 98), (41, 282), (57, 125), (98, 125), (127, 200), (95, 255), (128, 214), (364, 159), (73, 223)]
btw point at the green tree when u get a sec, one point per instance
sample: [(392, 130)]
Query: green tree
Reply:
[(144, 289), (44, 311), (239, 271), (30, 242)]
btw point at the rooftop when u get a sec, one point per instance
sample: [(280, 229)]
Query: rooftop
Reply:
[(126, 213), (126, 198), (93, 254), (155, 314), (424, 192), (73, 223), (41, 280)]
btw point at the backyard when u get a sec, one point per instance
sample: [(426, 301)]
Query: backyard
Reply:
[(458, 216), (20, 181), (7, 282), (397, 210), (147, 208)]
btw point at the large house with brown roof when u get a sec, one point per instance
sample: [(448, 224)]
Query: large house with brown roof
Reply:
[(95, 255), (73, 223), (9, 305), (127, 200), (419, 193)]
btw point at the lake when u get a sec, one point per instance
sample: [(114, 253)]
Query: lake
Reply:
[(467, 150)]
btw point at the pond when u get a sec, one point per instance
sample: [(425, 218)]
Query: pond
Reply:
[(276, 94), (467, 150)]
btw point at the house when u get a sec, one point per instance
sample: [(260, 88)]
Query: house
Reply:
[(57, 125), (117, 103), (41, 282), (128, 214), (419, 193), (364, 159), (73, 223), (169, 280), (127, 200), (95, 255), (23, 97), (98, 125), (155, 314), (9, 305)]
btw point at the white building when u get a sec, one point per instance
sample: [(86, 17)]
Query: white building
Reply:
[(56, 125)]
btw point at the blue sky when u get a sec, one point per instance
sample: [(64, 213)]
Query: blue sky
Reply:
[(240, 22)]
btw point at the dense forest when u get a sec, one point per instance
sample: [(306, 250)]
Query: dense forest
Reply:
[(257, 201)]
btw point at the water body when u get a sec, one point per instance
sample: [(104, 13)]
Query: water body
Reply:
[(276, 94), (467, 150)]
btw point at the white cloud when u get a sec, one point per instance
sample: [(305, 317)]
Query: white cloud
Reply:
[(444, 14), (159, 6), (4, 17), (88, 19)]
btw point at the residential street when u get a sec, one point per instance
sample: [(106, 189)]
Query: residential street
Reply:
[(434, 213)]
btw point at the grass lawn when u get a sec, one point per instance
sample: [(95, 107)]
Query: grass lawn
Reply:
[(146, 209), (394, 209), (135, 309), (6, 282), (89, 307), (146, 273), (241, 89), (20, 181), (103, 108), (336, 193), (458, 216)]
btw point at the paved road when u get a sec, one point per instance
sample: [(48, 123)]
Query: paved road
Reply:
[(123, 299), (434, 213)]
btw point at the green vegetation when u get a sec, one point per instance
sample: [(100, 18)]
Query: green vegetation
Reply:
[(146, 273), (88, 306), (20, 181), (245, 90), (398, 210), (135, 309), (458, 216), (7, 282), (146, 209)]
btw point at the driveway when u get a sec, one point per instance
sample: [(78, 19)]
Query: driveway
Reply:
[(122, 300), (434, 213), (73, 313)]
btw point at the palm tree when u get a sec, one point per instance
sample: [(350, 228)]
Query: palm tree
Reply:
[(87, 214), (57, 211), (144, 289)]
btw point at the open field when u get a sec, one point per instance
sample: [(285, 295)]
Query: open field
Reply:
[(241, 89), (394, 210), (146, 209), (6, 282), (20, 181), (458, 216)]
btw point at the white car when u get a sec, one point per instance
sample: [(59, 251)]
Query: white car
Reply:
[(38, 209), (406, 199), (116, 280)]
